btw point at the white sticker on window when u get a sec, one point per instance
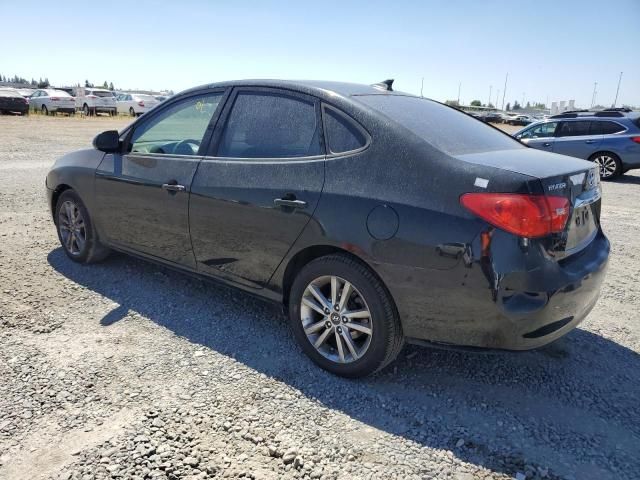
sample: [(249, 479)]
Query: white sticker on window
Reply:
[(481, 182)]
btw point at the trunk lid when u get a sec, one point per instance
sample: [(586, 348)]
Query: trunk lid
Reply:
[(555, 176)]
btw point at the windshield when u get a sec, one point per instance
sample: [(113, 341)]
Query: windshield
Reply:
[(445, 128)]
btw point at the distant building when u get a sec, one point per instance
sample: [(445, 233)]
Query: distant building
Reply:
[(562, 106)]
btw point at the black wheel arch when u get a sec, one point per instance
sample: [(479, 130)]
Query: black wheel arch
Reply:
[(312, 252)]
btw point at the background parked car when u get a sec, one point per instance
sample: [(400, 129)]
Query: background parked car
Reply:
[(135, 104), (95, 100), (50, 101), (12, 102), (520, 120), (610, 139)]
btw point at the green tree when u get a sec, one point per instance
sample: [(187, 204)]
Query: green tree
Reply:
[(452, 103), (516, 106), (111, 86), (105, 85), (508, 107), (476, 103)]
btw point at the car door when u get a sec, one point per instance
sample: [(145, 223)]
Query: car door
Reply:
[(34, 100), (539, 136), (258, 186), (142, 194), (573, 138)]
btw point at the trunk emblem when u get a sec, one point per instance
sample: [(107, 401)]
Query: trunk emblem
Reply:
[(557, 186)]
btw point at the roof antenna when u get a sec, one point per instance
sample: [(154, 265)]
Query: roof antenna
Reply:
[(385, 85)]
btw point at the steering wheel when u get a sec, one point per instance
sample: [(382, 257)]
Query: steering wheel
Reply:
[(189, 144)]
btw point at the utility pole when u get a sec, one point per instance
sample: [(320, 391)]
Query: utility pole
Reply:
[(522, 100), (459, 87), (422, 87), (504, 92), (593, 97), (497, 98), (490, 88), (617, 90)]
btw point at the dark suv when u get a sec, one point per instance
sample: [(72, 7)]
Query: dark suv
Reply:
[(610, 138)]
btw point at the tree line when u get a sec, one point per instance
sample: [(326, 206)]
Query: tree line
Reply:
[(45, 83)]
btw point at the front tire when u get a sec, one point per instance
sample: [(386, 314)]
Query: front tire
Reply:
[(609, 164), (343, 317), (75, 230)]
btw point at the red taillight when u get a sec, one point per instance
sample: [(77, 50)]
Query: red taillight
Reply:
[(635, 139), (141, 103), (54, 99), (522, 215), (91, 96)]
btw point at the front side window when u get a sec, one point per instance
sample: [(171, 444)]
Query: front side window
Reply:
[(573, 129), (177, 130), (342, 134), (540, 131), (270, 125)]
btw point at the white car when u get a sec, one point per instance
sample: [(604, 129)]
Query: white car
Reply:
[(95, 100), (135, 104), (50, 101)]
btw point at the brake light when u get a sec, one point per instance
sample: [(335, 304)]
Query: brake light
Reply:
[(54, 99), (520, 214), (141, 103), (635, 139), (92, 96)]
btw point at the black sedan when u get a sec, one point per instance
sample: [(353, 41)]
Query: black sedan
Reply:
[(376, 217), (12, 102)]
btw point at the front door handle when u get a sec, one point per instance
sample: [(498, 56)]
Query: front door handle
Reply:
[(589, 141), (546, 144), (173, 186), (290, 202)]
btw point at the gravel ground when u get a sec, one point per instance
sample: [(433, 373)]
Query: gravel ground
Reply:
[(127, 370)]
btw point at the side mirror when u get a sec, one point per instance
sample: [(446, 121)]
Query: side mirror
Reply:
[(108, 142)]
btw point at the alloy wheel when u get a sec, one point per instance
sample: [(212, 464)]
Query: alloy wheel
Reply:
[(72, 228), (336, 319), (607, 165)]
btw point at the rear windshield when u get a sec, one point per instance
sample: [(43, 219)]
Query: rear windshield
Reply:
[(149, 98), (445, 128), (58, 93), (98, 93)]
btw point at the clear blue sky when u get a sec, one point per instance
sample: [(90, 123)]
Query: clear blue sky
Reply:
[(553, 49)]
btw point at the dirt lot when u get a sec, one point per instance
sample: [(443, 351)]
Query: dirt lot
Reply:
[(127, 370)]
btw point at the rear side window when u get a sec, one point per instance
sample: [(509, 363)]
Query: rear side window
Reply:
[(446, 128), (605, 128), (343, 135), (573, 129), (270, 125)]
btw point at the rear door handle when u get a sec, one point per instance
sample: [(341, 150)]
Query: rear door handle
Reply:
[(589, 141), (173, 187), (291, 203), (546, 144)]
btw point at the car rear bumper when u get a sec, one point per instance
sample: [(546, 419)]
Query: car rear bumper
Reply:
[(477, 305), (56, 108)]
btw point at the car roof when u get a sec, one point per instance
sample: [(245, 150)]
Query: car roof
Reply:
[(316, 87)]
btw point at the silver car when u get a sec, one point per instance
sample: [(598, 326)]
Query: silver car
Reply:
[(49, 101), (135, 104)]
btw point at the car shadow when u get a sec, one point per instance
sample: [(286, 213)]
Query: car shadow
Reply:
[(627, 178), (565, 407)]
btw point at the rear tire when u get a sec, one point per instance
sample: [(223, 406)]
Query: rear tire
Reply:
[(609, 164), (132, 112), (85, 110), (366, 322), (76, 232), (45, 110)]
